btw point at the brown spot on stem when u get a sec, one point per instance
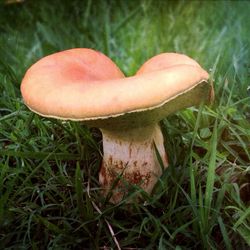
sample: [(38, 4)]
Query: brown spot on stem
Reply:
[(120, 188), (119, 165), (130, 150), (166, 157), (110, 160), (103, 175), (137, 178)]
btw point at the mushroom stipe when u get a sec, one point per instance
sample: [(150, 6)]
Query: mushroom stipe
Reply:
[(86, 86)]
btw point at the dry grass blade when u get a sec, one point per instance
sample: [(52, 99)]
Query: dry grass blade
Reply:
[(100, 212)]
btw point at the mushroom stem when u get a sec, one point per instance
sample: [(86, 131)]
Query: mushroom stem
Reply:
[(130, 155)]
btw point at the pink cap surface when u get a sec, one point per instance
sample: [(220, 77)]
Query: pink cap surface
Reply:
[(83, 84)]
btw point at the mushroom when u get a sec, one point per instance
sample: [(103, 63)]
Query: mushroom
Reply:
[(84, 85)]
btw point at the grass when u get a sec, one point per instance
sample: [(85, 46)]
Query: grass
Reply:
[(49, 191)]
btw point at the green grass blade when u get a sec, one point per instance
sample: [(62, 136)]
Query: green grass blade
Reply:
[(224, 234), (211, 173)]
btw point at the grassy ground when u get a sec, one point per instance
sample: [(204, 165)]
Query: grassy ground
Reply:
[(49, 192)]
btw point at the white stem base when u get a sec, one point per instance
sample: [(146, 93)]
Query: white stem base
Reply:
[(131, 156)]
